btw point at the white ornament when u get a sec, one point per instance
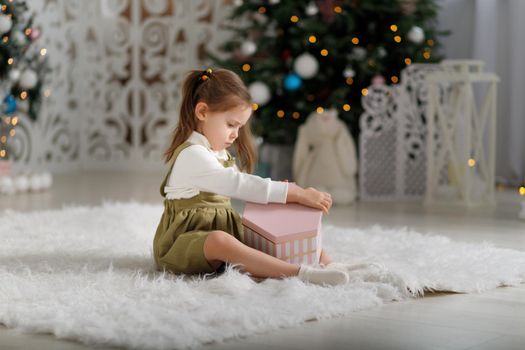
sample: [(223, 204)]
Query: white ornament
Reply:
[(28, 79), (14, 75), (306, 66), (260, 92), (358, 53), (416, 35), (248, 48), (47, 179), (5, 24), (21, 183), (7, 185), (349, 72), (311, 9), (274, 2), (35, 182), (381, 52), (237, 3)]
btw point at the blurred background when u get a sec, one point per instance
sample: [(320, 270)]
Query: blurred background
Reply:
[(93, 86)]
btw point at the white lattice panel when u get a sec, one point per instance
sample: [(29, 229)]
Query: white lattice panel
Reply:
[(116, 72), (392, 140)]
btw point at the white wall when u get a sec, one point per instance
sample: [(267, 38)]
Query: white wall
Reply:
[(494, 31)]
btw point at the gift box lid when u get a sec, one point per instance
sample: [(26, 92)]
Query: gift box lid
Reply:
[(282, 222)]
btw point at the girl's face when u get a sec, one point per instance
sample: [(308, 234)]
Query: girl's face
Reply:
[(221, 128)]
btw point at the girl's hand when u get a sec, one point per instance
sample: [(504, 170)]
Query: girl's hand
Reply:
[(309, 197)]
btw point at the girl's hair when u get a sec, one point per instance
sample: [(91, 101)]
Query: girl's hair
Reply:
[(221, 90)]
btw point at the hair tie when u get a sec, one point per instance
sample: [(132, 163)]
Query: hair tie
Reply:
[(206, 74)]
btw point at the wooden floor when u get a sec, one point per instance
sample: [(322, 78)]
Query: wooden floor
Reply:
[(490, 320)]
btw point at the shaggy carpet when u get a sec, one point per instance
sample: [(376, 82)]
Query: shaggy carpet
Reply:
[(87, 274)]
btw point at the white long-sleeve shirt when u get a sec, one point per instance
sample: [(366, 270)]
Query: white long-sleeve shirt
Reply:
[(198, 168)]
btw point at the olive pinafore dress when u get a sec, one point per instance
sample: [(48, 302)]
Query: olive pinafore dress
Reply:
[(178, 245)]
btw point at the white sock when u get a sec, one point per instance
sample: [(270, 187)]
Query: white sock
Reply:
[(322, 276)]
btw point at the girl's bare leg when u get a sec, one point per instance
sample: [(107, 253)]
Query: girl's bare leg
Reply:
[(222, 247), (325, 258)]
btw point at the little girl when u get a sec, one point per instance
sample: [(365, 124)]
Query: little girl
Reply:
[(199, 231)]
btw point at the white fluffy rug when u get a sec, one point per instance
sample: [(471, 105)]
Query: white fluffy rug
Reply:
[(87, 274)]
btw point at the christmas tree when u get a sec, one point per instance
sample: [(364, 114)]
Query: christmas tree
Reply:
[(22, 68), (298, 57)]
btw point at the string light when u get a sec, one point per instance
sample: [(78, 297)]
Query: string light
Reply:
[(28, 31), (7, 120), (47, 92), (10, 60), (43, 52), (3, 139), (338, 9), (296, 115), (471, 162), (255, 107), (262, 9), (408, 61), (397, 39), (4, 7), (294, 19), (246, 67), (522, 191), (430, 42), (2, 153), (280, 113), (12, 132), (23, 95), (14, 121), (349, 81), (5, 39), (394, 79), (426, 55), (324, 52), (355, 40), (393, 28), (346, 107), (319, 110), (364, 92), (312, 39)]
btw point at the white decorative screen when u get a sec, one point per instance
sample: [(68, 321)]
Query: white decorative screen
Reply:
[(392, 143), (116, 69)]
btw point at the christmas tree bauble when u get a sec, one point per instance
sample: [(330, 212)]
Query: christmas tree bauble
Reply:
[(292, 82), (358, 53), (311, 9), (28, 79), (306, 66), (248, 48), (260, 92), (14, 75), (5, 24), (381, 52), (349, 72), (416, 35), (9, 104), (378, 80)]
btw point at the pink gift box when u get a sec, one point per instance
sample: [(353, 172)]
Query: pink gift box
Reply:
[(290, 232)]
